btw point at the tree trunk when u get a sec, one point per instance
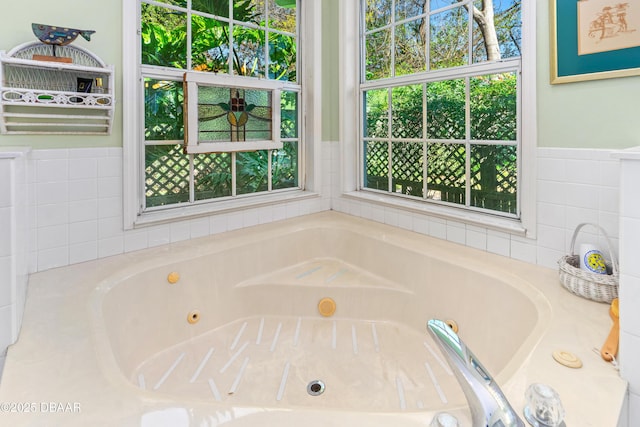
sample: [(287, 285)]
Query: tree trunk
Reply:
[(485, 21)]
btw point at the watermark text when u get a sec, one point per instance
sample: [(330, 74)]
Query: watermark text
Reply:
[(41, 407)]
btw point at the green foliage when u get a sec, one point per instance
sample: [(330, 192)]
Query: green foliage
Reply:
[(406, 114), (446, 109), (164, 117), (493, 109), (284, 166), (448, 35), (164, 41)]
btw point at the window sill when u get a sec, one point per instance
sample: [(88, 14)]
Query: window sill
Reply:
[(168, 215), (493, 222)]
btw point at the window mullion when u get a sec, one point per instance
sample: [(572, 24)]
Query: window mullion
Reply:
[(425, 158), (189, 36), (467, 154), (390, 165), (470, 32), (192, 176), (269, 170), (427, 38), (231, 48), (389, 142), (392, 51), (267, 59), (234, 179)]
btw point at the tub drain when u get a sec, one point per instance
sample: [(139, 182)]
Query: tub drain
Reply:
[(315, 388)]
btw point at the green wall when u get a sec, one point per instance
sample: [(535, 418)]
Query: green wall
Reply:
[(330, 74), (593, 114), (105, 17), (590, 114)]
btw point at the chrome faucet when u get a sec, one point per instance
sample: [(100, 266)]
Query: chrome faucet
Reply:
[(489, 407)]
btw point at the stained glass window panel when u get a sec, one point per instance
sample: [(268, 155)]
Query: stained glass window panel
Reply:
[(234, 114), (258, 105), (214, 110)]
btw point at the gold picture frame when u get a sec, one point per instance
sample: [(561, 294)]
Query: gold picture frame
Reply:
[(594, 39)]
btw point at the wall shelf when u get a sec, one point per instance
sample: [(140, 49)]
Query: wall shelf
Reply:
[(45, 97)]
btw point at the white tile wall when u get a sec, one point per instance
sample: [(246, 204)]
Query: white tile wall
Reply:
[(630, 282), (13, 245), (75, 205), (77, 210), (573, 186)]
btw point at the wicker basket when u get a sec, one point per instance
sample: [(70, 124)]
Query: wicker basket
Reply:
[(593, 286)]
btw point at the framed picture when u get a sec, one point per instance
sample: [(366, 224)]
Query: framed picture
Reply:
[(594, 39)]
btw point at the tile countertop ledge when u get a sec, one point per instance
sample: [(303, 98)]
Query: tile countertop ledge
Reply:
[(632, 153), (55, 361), (13, 152)]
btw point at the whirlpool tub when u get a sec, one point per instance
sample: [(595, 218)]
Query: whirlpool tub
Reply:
[(315, 321)]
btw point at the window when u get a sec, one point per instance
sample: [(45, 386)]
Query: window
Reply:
[(440, 99), (236, 63)]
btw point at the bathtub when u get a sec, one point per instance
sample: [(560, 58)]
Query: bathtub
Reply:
[(315, 321)]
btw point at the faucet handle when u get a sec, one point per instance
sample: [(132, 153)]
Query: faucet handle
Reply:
[(444, 419), (543, 406), (487, 403)]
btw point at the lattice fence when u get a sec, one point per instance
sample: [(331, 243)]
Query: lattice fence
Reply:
[(167, 173), (377, 165), (446, 172), (407, 162), (494, 178), (493, 172)]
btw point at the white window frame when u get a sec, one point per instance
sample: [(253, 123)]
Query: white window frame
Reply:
[(309, 77), (350, 134)]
